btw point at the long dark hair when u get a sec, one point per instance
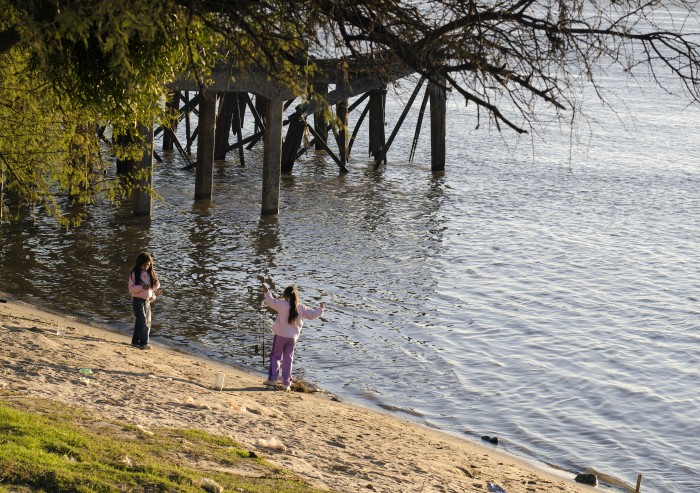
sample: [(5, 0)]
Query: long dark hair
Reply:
[(290, 294), (141, 259)]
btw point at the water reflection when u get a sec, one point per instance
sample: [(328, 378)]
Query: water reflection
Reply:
[(266, 241)]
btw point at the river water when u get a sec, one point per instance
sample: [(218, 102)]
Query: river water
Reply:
[(543, 289)]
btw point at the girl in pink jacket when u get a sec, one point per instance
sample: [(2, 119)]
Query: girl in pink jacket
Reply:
[(287, 327), (143, 287)]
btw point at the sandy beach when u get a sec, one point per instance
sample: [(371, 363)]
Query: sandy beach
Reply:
[(330, 443)]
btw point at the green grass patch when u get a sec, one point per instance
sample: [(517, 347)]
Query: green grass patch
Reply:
[(49, 447)]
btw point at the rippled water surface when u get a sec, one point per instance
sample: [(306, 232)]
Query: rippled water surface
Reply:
[(544, 291)]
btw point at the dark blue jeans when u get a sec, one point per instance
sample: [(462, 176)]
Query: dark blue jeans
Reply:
[(142, 327)]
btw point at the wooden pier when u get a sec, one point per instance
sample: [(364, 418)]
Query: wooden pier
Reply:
[(232, 96)]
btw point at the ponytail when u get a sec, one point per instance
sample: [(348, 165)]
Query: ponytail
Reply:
[(291, 295)]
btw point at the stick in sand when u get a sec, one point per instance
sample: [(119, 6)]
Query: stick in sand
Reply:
[(262, 327)]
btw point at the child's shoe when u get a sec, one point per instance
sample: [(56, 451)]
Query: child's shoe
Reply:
[(269, 383)]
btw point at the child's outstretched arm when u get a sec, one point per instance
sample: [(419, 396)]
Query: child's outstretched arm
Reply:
[(310, 314)]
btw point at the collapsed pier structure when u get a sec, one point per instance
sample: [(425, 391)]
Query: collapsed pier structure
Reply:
[(230, 96)]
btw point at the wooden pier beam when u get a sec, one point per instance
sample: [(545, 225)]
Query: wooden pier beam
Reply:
[(419, 123), (377, 136), (204, 175), (341, 112), (143, 169), (124, 166), (382, 156), (292, 142), (227, 101), (261, 108), (438, 113), (272, 157), (173, 105), (320, 120), (237, 123), (186, 100)]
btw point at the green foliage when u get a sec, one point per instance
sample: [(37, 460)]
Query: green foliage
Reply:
[(81, 66), (77, 70), (112, 56), (49, 447), (48, 149)]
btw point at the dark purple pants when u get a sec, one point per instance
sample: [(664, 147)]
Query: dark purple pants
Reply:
[(282, 351)]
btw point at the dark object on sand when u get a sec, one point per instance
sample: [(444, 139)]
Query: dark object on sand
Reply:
[(587, 478)]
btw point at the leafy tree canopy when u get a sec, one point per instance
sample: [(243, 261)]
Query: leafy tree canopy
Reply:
[(70, 66)]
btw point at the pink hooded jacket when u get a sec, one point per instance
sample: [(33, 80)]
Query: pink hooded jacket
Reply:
[(283, 328), (137, 290)]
